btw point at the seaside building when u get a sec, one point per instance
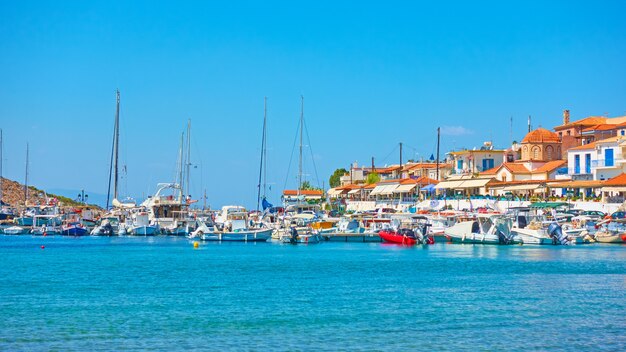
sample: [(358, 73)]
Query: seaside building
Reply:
[(588, 130), (426, 169), (358, 174), (292, 195), (474, 161), (540, 162)]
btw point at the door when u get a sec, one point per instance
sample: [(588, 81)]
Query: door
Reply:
[(608, 157)]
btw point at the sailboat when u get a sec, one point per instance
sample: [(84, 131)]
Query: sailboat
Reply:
[(113, 223), (295, 227)]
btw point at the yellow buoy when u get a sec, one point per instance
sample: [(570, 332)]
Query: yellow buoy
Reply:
[(196, 245)]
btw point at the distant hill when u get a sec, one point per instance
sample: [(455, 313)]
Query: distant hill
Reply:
[(13, 194)]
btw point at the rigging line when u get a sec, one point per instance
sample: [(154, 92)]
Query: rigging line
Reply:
[(291, 158), (388, 155), (317, 179)]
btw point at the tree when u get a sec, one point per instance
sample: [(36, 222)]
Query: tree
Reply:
[(334, 180), (372, 178), (306, 185)]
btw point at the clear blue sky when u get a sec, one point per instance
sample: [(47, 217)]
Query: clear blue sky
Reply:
[(372, 73)]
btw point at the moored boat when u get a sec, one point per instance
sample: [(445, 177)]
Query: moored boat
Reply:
[(74, 229)]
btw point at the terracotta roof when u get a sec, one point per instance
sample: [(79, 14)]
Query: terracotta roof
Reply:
[(304, 192), (420, 180), (584, 146), (516, 168), (550, 166), (610, 140), (619, 180), (492, 171), (370, 186), (349, 187), (541, 135), (587, 121), (602, 127)]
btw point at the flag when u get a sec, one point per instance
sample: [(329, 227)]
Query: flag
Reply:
[(266, 204), (432, 157)]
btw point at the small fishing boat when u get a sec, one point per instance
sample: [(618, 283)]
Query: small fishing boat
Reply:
[(609, 237), (74, 229), (301, 235), (15, 230), (140, 225), (46, 230)]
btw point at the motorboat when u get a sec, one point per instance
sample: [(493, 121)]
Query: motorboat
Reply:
[(74, 229), (140, 224), (15, 230), (485, 229)]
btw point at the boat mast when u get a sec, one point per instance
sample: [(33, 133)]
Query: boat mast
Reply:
[(180, 165), (261, 167), (188, 164), (438, 135), (301, 127), (113, 162), (117, 142), (26, 178)]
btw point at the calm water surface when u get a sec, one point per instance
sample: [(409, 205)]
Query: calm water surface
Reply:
[(162, 294)]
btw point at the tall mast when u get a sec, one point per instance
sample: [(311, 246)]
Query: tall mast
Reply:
[(263, 155), (180, 165), (400, 154), (301, 128), (438, 136), (188, 156), (26, 178), (116, 144)]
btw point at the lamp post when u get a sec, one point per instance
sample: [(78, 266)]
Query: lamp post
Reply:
[(82, 197)]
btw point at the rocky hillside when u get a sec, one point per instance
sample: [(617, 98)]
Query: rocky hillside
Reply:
[(13, 194)]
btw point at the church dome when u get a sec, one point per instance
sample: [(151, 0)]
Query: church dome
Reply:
[(541, 135)]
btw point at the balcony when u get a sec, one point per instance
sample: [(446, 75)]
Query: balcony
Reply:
[(602, 163)]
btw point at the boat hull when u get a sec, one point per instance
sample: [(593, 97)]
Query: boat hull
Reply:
[(239, 236), (392, 237), (74, 231), (144, 231)]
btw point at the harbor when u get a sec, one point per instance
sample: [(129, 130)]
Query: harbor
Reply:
[(312, 176), (160, 293)]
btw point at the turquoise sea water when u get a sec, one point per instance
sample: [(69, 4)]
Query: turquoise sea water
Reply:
[(162, 294)]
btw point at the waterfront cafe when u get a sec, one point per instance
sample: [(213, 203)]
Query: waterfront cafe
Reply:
[(582, 189), (614, 190), (466, 185)]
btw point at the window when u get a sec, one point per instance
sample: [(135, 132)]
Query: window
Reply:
[(587, 163), (569, 133), (536, 153), (459, 165), (576, 164), (488, 164), (622, 132), (549, 152)]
